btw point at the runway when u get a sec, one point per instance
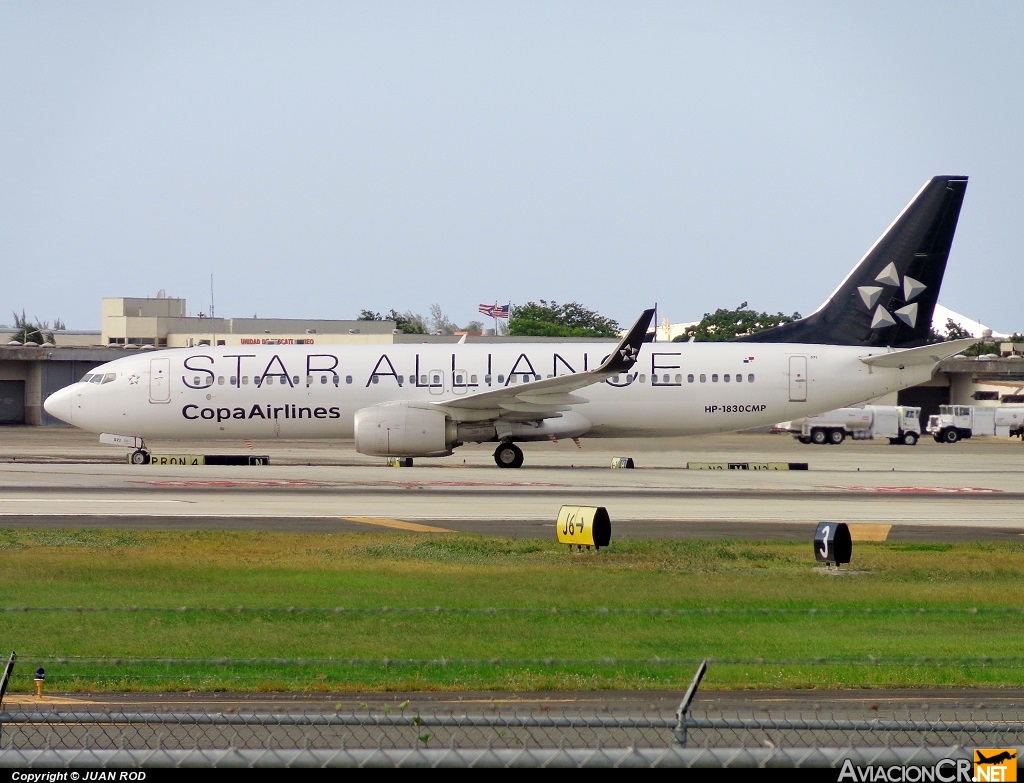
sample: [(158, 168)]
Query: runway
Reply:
[(56, 477)]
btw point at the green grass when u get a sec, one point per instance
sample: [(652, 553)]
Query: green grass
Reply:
[(117, 610)]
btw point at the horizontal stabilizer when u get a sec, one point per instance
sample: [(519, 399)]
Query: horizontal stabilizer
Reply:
[(924, 354)]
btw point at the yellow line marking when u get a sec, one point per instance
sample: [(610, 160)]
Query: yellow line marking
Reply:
[(398, 524), (865, 532), (23, 700)]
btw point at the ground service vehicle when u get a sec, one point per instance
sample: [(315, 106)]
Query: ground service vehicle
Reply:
[(958, 422), (901, 424)]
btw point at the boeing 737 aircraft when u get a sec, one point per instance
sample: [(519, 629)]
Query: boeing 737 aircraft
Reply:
[(866, 340)]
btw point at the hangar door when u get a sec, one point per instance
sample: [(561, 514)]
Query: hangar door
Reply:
[(12, 402)]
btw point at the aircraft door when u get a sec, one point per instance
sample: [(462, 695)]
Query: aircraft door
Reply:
[(435, 381), (798, 379), (159, 380)]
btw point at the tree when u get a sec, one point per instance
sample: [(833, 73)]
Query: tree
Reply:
[(724, 325), (410, 323), (955, 331), (550, 319), (439, 322), (37, 332)]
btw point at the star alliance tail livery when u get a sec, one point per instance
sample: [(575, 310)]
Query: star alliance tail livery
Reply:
[(866, 340)]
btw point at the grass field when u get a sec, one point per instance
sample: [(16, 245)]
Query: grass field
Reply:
[(204, 611)]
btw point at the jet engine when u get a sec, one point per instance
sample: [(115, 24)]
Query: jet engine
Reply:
[(398, 429)]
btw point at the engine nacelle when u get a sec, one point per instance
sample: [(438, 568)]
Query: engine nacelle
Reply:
[(397, 429)]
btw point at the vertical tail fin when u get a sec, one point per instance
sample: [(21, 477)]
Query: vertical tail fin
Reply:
[(889, 297)]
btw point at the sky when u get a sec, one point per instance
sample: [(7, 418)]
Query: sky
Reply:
[(315, 159)]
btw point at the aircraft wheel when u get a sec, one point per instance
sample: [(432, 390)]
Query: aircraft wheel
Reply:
[(909, 438), (819, 437), (140, 457), (951, 436), (508, 455), (835, 437)]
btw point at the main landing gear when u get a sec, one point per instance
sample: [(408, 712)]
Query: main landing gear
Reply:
[(508, 455)]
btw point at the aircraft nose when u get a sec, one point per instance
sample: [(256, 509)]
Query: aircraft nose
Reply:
[(58, 405)]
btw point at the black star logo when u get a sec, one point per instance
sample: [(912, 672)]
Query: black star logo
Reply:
[(628, 353), (134, 379)]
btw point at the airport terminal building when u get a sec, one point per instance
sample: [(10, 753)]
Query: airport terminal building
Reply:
[(30, 373)]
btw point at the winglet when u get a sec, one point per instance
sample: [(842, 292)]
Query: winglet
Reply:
[(625, 353)]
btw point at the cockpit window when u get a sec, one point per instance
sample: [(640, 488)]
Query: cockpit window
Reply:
[(86, 378), (97, 378), (110, 377)]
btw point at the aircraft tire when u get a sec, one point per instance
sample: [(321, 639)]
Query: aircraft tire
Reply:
[(508, 455), (819, 437), (951, 436), (835, 437), (140, 457)]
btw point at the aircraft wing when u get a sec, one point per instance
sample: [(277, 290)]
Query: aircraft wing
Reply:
[(546, 398), (924, 354)]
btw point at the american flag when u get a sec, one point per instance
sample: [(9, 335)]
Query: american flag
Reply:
[(494, 310)]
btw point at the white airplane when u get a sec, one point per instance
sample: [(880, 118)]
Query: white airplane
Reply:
[(866, 340)]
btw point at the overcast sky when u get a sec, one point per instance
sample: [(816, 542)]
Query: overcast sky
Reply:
[(320, 158)]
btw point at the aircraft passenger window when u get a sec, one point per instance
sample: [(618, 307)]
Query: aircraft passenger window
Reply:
[(472, 379), (501, 378), (435, 380), (689, 378), (703, 378), (295, 380), (97, 378), (714, 377), (348, 379), (739, 377), (401, 379), (268, 379), (615, 379), (643, 379), (666, 379), (375, 379), (309, 380), (256, 380), (196, 381), (423, 380), (220, 380), (726, 377), (245, 380), (487, 379), (679, 378), (234, 380), (750, 378), (110, 377)]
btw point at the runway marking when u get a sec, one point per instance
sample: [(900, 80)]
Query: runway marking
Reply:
[(869, 532), (80, 501), (922, 490), (397, 524), (234, 483)]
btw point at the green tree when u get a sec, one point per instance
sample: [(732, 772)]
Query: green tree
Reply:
[(408, 322), (550, 319), (38, 332), (724, 325)]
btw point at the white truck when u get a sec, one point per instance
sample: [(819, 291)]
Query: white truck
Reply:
[(957, 422), (901, 424)]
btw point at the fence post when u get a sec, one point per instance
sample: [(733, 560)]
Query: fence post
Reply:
[(684, 706), (3, 689)]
